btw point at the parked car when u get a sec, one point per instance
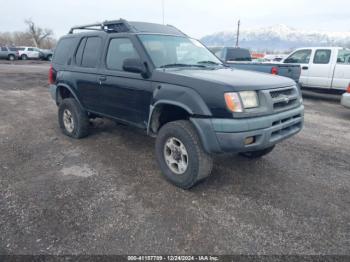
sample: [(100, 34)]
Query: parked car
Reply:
[(8, 53), (46, 54), (345, 99), (28, 52), (158, 79), (322, 67), (240, 58)]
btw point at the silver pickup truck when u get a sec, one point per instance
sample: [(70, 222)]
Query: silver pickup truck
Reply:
[(240, 58)]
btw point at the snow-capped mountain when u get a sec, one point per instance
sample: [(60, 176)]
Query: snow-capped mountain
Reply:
[(278, 38)]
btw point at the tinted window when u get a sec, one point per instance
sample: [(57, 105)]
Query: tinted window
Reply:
[(64, 50), (120, 49), (13, 48), (91, 51), (238, 54), (30, 49), (299, 57), (322, 56), (3, 49), (344, 56), (21, 49), (79, 54)]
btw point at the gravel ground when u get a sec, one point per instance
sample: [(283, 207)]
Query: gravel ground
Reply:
[(105, 194)]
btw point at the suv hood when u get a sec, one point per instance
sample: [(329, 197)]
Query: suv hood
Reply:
[(228, 78)]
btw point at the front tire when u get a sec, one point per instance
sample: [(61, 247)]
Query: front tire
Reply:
[(258, 153), (181, 156), (24, 57), (73, 120)]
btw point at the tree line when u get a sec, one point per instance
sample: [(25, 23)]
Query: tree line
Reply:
[(34, 35)]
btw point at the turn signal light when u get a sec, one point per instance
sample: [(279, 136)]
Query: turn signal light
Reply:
[(233, 102)]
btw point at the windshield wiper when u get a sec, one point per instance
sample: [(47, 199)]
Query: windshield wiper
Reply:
[(180, 65), (208, 62)]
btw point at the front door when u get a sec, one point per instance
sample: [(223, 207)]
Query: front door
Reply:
[(126, 96), (301, 57)]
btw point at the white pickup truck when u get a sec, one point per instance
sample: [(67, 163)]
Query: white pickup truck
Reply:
[(322, 67)]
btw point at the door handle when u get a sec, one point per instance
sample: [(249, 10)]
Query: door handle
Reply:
[(102, 79), (305, 68)]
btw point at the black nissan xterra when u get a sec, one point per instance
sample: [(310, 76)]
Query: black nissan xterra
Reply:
[(156, 78)]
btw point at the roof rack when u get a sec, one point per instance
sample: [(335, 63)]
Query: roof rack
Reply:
[(122, 26), (116, 26)]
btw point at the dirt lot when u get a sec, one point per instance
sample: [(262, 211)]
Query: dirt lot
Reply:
[(105, 194)]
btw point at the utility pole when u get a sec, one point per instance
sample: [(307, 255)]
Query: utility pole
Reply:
[(237, 37), (163, 10)]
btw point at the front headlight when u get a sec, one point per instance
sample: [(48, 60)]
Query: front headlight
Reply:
[(249, 99), (235, 102)]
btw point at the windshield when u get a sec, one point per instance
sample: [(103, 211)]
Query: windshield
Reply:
[(168, 51)]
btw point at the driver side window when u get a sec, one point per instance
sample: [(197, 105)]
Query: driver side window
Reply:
[(120, 49), (299, 57)]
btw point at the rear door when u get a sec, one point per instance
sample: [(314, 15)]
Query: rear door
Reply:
[(320, 69), (341, 75), (301, 57), (84, 71)]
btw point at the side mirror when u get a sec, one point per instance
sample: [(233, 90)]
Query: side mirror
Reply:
[(134, 65)]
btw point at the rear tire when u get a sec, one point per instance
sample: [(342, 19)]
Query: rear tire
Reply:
[(24, 57), (73, 120), (193, 164), (11, 57), (258, 153)]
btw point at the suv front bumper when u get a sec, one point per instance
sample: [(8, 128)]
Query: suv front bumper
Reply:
[(229, 135)]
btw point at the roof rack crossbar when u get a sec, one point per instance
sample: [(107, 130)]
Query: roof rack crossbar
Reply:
[(86, 27), (119, 26)]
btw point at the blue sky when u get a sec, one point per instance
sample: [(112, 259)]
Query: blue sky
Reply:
[(195, 17)]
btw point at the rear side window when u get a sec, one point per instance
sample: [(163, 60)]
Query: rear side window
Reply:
[(343, 56), (13, 48), (299, 57), (91, 52), (79, 54), (64, 50), (322, 56), (238, 54), (120, 49)]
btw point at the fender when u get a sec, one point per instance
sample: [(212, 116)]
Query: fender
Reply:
[(183, 97), (70, 90)]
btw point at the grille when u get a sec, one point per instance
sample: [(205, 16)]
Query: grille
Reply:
[(278, 93), (283, 99)]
